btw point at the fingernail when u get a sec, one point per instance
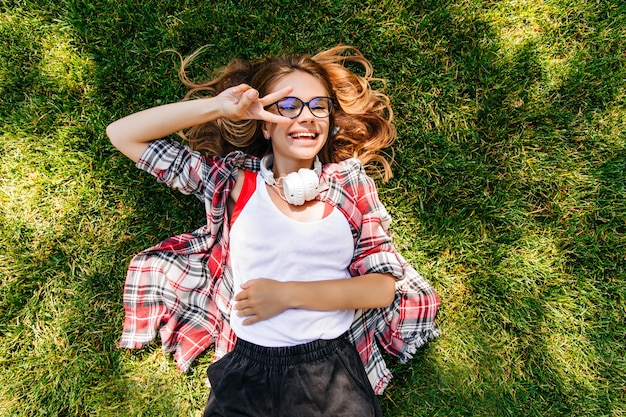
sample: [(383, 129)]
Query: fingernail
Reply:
[(252, 94)]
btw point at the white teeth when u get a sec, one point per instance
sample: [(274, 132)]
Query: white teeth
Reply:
[(301, 135)]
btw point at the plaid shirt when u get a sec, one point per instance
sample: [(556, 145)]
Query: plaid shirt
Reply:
[(183, 287)]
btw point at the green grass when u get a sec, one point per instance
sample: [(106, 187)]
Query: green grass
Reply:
[(509, 193)]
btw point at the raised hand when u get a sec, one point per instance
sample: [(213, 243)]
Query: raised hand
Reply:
[(243, 103)]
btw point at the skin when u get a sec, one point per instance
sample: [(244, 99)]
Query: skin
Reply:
[(293, 148), (263, 297)]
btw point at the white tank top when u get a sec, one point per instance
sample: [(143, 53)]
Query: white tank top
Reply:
[(265, 243)]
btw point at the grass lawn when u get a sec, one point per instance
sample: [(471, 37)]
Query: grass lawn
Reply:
[(509, 193)]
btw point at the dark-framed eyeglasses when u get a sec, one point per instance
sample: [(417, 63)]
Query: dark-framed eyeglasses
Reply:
[(291, 107)]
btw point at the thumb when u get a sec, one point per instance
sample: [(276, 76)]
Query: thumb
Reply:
[(249, 96)]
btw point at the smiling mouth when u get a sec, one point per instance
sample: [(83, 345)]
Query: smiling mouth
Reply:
[(304, 135)]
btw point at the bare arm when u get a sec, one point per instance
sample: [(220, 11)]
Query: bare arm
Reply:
[(264, 298), (132, 134)]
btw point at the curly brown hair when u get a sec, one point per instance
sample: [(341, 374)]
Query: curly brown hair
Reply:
[(362, 116)]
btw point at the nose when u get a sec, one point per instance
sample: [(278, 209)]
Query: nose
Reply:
[(306, 113)]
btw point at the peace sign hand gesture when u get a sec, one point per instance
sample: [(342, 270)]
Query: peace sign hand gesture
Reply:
[(243, 103)]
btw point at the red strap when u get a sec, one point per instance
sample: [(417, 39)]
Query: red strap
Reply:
[(248, 188), (328, 208)]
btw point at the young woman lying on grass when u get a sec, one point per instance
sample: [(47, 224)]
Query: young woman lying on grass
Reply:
[(294, 277)]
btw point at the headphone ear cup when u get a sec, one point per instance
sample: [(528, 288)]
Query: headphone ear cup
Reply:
[(298, 186), (293, 186), (310, 182)]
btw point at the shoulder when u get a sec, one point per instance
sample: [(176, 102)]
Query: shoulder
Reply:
[(351, 176), (168, 148), (352, 164), (346, 172), (349, 184), (168, 155), (241, 160)]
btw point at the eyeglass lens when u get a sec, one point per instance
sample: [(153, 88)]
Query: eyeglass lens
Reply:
[(292, 106)]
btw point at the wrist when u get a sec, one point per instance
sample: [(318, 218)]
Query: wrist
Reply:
[(211, 109), (291, 295)]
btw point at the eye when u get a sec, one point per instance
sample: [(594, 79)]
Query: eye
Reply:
[(320, 104), (289, 104)]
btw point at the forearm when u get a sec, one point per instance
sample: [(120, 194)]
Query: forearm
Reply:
[(263, 298), (132, 133), (367, 291)]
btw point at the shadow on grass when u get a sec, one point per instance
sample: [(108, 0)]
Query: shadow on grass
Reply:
[(69, 226), (508, 190), (510, 164)]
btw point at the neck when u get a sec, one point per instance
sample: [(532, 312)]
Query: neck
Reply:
[(284, 168)]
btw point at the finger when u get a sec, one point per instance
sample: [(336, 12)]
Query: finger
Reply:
[(234, 92), (274, 118), (245, 312), (277, 95), (247, 97), (250, 320), (240, 89), (241, 305)]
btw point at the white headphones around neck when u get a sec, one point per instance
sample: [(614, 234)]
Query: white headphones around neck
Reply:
[(298, 187)]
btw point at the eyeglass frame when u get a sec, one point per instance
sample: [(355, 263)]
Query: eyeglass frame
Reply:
[(304, 104)]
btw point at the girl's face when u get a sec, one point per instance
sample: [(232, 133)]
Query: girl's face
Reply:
[(296, 143)]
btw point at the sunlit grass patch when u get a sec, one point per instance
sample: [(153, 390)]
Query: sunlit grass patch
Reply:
[(63, 65), (40, 52), (509, 194), (33, 191)]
